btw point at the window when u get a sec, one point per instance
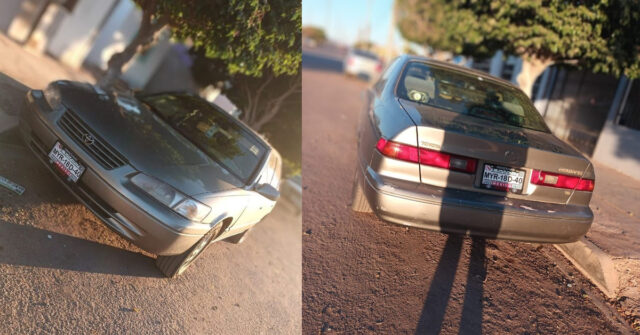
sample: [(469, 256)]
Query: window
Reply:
[(468, 94), (482, 64), (630, 114), (211, 130), (387, 72)]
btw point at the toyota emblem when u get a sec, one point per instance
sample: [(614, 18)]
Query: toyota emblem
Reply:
[(87, 139)]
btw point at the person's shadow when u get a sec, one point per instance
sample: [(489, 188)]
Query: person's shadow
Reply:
[(435, 304), (457, 206)]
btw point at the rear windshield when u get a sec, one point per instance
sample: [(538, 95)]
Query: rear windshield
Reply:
[(236, 149), (468, 94), (365, 54)]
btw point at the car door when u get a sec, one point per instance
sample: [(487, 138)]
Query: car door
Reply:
[(257, 205)]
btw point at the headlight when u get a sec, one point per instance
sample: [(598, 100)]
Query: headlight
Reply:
[(170, 197), (52, 95), (192, 210)]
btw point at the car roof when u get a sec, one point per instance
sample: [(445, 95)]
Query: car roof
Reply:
[(458, 68)]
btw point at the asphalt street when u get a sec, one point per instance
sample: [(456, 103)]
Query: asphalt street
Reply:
[(363, 275)]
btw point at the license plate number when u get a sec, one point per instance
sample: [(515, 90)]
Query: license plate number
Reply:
[(66, 162), (502, 178)]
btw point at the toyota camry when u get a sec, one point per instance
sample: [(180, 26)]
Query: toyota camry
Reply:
[(451, 149), (170, 172)]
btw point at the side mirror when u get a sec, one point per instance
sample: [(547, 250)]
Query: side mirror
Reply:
[(267, 191)]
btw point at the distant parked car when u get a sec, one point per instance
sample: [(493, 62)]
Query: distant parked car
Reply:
[(362, 63), (455, 150), (170, 172)]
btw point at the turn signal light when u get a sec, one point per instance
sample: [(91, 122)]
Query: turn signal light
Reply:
[(561, 181), (425, 156)]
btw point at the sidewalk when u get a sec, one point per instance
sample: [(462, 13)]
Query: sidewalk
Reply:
[(21, 69), (610, 253)]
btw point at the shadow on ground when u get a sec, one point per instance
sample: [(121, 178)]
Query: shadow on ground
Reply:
[(435, 305), (33, 247), (12, 93)]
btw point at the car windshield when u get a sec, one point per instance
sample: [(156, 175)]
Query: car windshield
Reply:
[(226, 142), (468, 94)]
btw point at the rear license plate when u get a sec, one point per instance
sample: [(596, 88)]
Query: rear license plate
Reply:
[(502, 178), (66, 162)]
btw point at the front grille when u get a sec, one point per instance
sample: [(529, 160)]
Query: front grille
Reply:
[(98, 149)]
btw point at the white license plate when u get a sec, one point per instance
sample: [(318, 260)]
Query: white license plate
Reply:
[(502, 178), (66, 162)]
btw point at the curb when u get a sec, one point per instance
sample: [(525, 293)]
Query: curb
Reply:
[(592, 262)]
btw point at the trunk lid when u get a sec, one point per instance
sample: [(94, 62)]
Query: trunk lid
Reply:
[(496, 145)]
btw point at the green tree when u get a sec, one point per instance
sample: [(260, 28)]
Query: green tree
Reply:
[(251, 36), (270, 103), (603, 36), (315, 33), (363, 45)]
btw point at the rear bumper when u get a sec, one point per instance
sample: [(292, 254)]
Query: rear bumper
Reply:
[(107, 193), (468, 213)]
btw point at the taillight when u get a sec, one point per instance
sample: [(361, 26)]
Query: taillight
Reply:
[(561, 181), (350, 61), (398, 151), (425, 156), (379, 67)]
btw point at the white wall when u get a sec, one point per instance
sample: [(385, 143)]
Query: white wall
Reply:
[(143, 66), (73, 40), (618, 146), (119, 29), (10, 8)]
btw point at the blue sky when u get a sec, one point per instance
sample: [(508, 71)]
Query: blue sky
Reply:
[(343, 19)]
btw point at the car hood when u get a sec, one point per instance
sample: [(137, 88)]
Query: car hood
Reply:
[(147, 142), (428, 116)]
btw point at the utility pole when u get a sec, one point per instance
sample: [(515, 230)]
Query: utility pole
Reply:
[(391, 34), (328, 18), (368, 31)]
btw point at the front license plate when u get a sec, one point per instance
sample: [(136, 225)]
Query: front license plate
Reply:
[(66, 162), (502, 178)]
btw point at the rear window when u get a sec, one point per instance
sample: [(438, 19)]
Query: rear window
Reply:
[(365, 54), (468, 94), (215, 133)]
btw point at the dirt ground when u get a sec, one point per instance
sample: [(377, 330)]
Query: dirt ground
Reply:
[(363, 275), (62, 271)]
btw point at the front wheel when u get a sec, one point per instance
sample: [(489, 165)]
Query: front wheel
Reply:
[(173, 266)]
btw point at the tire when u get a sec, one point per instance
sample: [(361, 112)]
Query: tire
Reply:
[(173, 266), (238, 238), (359, 202)]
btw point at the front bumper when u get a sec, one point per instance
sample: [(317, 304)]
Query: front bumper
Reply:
[(469, 213), (107, 193)]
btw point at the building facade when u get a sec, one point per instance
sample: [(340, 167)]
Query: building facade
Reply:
[(598, 114)]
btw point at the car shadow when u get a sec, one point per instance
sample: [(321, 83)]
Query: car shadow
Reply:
[(22, 245)]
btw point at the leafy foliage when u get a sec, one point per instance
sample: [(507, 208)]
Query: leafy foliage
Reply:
[(251, 36), (315, 33), (270, 103), (603, 36)]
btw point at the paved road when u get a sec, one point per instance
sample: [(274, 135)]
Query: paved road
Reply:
[(62, 271), (361, 274)]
